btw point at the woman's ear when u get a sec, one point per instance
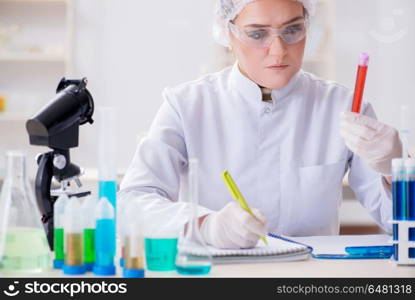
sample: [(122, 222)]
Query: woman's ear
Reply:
[(230, 51)]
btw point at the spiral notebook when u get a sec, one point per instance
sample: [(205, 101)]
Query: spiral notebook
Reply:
[(279, 248)]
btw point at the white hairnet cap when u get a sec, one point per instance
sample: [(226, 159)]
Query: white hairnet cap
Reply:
[(227, 10)]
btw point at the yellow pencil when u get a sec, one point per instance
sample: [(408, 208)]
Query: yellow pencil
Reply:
[(238, 197)]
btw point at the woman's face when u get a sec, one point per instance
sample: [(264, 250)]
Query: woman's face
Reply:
[(274, 66)]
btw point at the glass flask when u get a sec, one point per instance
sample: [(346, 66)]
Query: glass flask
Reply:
[(193, 257), (23, 243), (160, 244)]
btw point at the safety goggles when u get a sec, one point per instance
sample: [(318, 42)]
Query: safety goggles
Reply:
[(262, 37)]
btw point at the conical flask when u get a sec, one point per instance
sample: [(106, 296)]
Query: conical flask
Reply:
[(193, 257), (23, 244)]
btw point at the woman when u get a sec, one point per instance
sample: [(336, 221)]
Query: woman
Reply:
[(285, 135)]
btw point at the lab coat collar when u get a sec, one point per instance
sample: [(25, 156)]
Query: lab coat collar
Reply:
[(281, 94), (244, 87)]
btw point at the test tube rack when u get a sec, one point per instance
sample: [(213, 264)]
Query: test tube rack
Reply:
[(404, 242)]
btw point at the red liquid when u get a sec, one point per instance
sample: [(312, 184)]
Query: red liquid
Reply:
[(359, 89)]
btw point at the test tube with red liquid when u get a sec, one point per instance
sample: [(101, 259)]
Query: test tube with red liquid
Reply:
[(360, 82)]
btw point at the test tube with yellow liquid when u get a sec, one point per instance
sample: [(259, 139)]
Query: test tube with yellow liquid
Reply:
[(133, 243), (73, 230)]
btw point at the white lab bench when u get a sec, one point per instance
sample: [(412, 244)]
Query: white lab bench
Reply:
[(324, 268), (311, 268)]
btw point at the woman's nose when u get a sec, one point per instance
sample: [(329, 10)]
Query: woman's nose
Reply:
[(278, 47)]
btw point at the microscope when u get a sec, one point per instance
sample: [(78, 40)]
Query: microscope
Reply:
[(57, 127)]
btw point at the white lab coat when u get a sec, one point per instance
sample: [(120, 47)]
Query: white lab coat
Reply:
[(287, 157)]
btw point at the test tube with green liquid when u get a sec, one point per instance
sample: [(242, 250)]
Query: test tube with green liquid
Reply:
[(58, 233), (88, 213)]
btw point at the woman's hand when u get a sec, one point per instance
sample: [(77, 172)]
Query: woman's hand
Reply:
[(375, 142), (233, 228)]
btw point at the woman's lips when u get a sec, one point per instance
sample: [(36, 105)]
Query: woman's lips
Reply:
[(277, 67)]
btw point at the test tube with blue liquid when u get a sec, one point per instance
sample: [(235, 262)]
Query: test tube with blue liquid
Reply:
[(410, 179), (408, 201), (104, 239), (399, 197), (73, 230), (107, 147)]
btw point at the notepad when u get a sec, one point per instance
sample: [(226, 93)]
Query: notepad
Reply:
[(278, 249)]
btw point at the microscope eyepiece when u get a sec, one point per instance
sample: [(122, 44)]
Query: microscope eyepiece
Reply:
[(57, 124)]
